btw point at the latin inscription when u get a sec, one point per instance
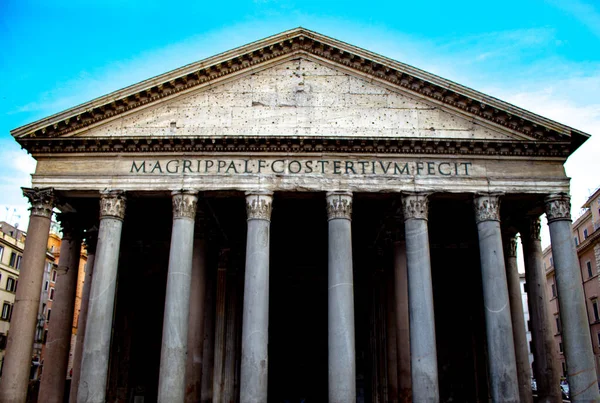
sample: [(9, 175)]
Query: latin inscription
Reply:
[(301, 167)]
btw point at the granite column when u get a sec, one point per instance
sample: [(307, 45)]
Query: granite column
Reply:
[(402, 321), (342, 360), (501, 347), (91, 237), (193, 372), (58, 344), (518, 318), (545, 361), (17, 361), (98, 332), (255, 327), (173, 355), (423, 350), (575, 328)]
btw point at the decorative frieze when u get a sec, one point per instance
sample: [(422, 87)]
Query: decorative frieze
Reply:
[(112, 204), (339, 205), (184, 204), (415, 206), (42, 201), (259, 205), (487, 208), (558, 207)]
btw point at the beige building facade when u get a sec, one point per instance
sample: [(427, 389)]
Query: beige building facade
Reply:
[(313, 221)]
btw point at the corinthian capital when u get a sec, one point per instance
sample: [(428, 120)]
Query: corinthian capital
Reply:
[(184, 204), (415, 206), (487, 208), (42, 201), (532, 228), (259, 205), (558, 207), (510, 245), (112, 204), (70, 226), (339, 205)]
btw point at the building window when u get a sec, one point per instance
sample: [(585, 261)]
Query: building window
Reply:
[(528, 325), (13, 259), (588, 264), (46, 284), (557, 320), (595, 307), (6, 311), (560, 347), (576, 239), (1, 252), (553, 287), (11, 284), (48, 315), (51, 296), (564, 368), (18, 265), (598, 336), (54, 276), (551, 261), (585, 233)]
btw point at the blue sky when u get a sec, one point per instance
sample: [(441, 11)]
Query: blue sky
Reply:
[(543, 55)]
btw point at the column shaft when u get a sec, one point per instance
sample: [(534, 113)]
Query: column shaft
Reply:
[(209, 341), (342, 359), (220, 325), (423, 349), (96, 348), (17, 361), (81, 325), (171, 381), (230, 339), (501, 348), (392, 352), (545, 361), (575, 328), (255, 327), (195, 358), (58, 344), (518, 320), (402, 322)]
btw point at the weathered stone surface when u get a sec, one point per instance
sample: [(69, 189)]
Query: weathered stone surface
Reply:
[(297, 97)]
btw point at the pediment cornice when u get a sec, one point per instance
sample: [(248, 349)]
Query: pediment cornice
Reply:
[(300, 145), (298, 42)]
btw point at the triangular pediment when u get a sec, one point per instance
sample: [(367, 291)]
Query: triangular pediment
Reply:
[(301, 84), (299, 97)]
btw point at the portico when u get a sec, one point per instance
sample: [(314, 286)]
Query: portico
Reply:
[(341, 216)]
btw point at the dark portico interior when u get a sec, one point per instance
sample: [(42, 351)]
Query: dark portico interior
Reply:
[(298, 292)]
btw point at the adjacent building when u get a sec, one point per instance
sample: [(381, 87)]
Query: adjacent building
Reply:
[(12, 242), (586, 237)]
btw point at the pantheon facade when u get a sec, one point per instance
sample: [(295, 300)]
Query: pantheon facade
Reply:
[(299, 219)]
